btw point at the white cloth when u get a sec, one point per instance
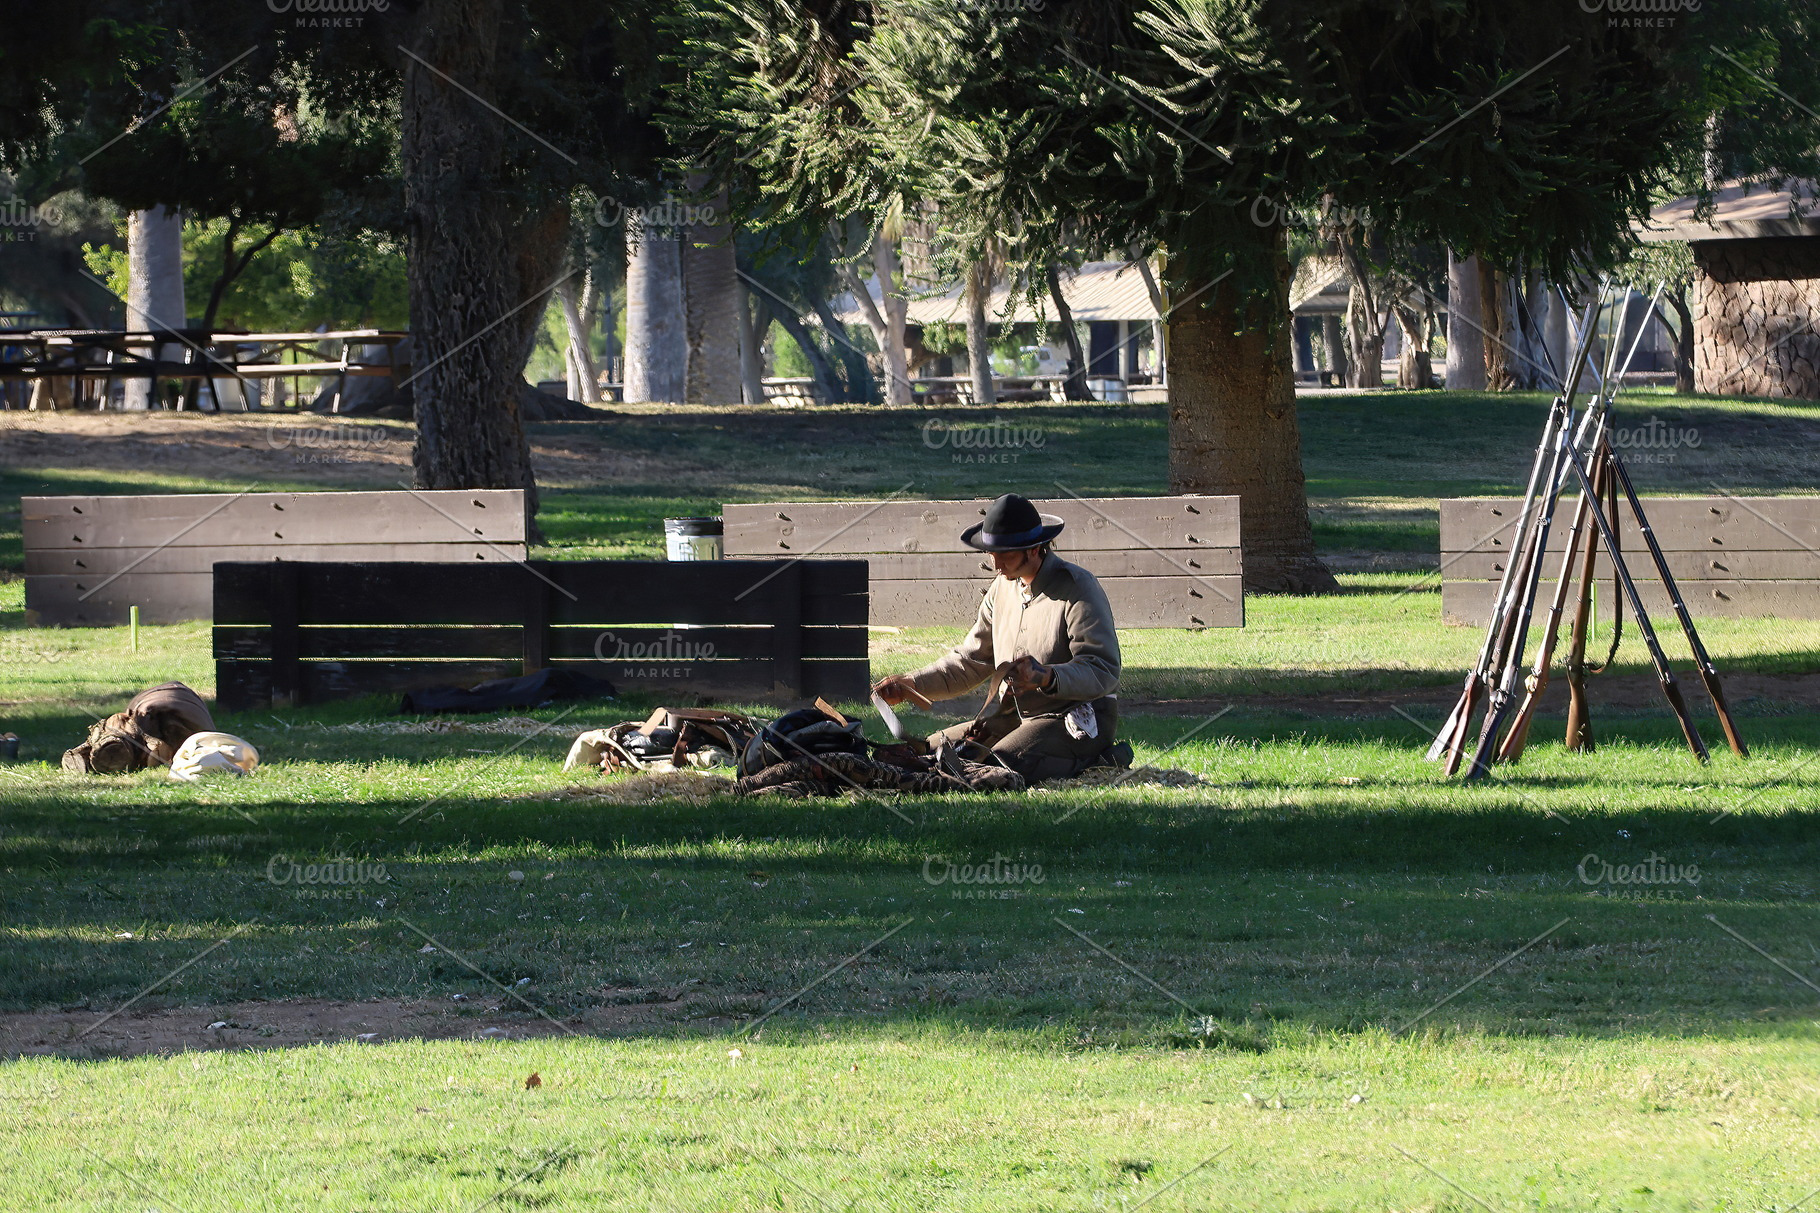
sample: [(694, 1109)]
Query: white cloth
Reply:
[(1082, 722), (213, 754)]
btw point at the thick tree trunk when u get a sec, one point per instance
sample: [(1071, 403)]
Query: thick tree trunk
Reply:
[(482, 259), (1684, 341), (1075, 387), (656, 353), (754, 321), (1232, 424), (154, 286), (1465, 323), (979, 337), (711, 305)]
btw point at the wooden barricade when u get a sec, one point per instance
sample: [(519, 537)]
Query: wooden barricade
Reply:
[(1165, 562), (1730, 556), (288, 633), (88, 559)]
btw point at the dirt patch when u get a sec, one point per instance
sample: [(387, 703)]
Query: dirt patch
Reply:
[(308, 1021), (344, 453), (1621, 692)]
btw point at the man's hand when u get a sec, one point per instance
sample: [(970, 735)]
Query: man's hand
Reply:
[(896, 688), (1029, 674)]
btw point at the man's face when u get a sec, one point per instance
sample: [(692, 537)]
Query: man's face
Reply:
[(1014, 566)]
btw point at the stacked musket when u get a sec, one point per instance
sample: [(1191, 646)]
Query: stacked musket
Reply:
[(1580, 447)]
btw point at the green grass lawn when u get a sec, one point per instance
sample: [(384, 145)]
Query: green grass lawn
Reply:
[(1324, 979)]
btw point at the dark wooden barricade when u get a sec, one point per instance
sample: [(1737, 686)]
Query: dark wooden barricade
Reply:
[(301, 632)]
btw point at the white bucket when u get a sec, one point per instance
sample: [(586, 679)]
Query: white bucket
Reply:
[(692, 539)]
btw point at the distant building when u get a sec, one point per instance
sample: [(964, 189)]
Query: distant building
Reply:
[(1108, 298), (1756, 296)]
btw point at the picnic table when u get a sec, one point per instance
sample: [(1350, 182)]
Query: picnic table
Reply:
[(52, 357)]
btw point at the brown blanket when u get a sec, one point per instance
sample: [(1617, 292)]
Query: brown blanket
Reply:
[(148, 733)]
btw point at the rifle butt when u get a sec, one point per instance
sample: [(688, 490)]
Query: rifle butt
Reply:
[(1672, 689), (1579, 738), (1726, 723), (1455, 749)]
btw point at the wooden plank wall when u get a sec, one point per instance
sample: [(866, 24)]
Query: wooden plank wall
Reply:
[(1735, 557), (88, 559), (778, 630), (1165, 562)]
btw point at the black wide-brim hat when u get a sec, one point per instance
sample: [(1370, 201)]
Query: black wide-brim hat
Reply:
[(1012, 525)]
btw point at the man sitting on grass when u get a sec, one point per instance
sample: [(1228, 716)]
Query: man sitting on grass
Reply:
[(1045, 640)]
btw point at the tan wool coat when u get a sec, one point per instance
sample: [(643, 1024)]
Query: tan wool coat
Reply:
[(1067, 624)]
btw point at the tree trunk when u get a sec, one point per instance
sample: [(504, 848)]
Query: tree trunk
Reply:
[(1304, 345), (1333, 340), (579, 358), (711, 305), (754, 321), (1364, 345), (883, 316), (860, 387), (1684, 341), (1159, 331), (979, 339), (1232, 424), (1527, 334), (483, 258), (826, 381), (1075, 386), (1415, 365), (1465, 323), (1364, 326), (1556, 326), (896, 310), (154, 287), (1498, 316), (656, 354)]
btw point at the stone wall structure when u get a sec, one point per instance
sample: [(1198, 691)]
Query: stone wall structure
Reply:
[(1756, 308)]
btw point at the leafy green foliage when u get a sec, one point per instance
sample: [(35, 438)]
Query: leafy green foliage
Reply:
[(302, 280)]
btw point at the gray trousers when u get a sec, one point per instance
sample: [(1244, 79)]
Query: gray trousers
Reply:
[(1040, 747)]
